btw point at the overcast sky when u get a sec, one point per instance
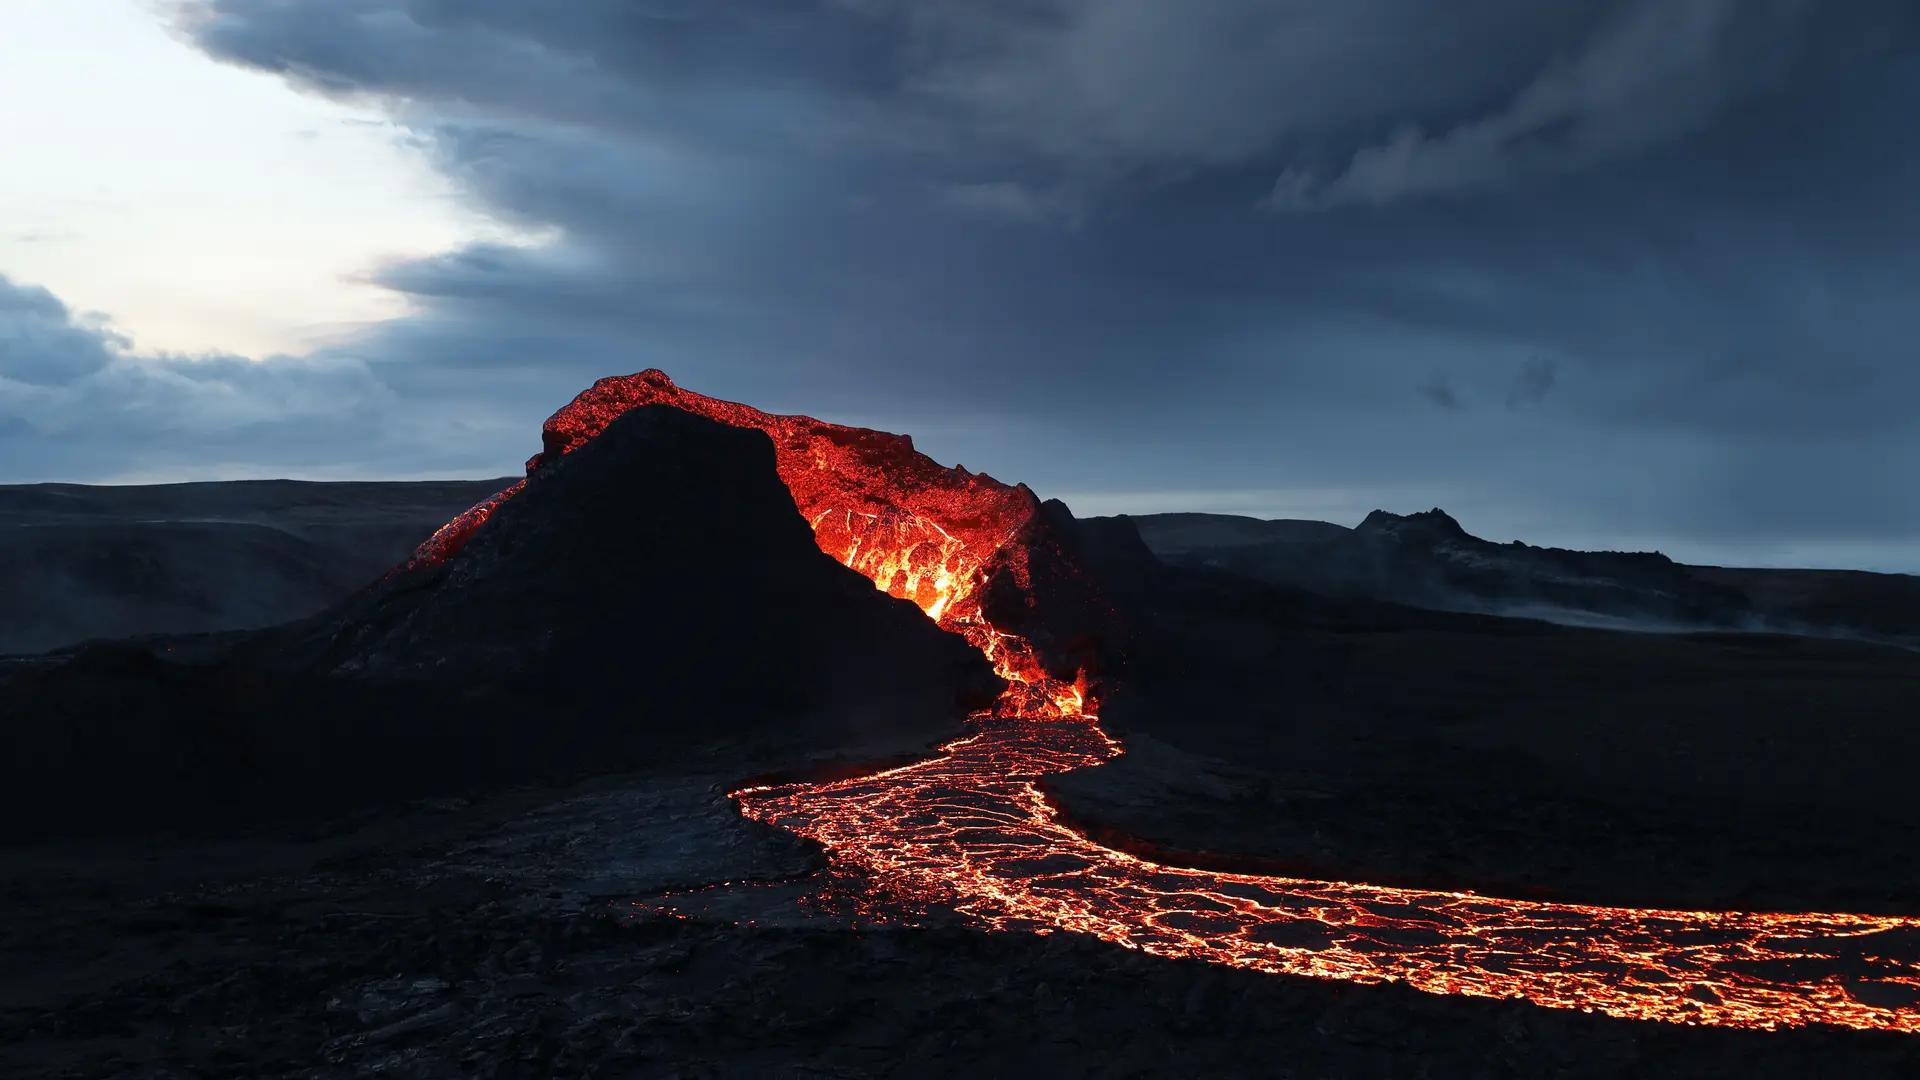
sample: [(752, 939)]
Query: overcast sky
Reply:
[(1638, 273)]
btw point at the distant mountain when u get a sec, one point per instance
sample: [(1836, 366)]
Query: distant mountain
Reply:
[(1177, 534), (80, 562), (1428, 560)]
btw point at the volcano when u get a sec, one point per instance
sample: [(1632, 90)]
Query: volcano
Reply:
[(676, 569), (981, 558), (972, 829)]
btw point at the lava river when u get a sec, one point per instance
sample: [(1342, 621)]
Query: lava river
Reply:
[(971, 830)]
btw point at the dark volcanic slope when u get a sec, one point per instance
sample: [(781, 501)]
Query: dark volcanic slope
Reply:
[(662, 564), (1865, 604), (79, 562), (1428, 560), (653, 593)]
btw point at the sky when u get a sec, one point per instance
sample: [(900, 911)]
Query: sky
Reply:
[(1634, 274)]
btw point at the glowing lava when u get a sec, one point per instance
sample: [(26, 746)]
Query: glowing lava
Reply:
[(970, 828)]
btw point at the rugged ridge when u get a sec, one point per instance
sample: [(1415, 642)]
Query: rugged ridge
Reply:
[(1430, 560)]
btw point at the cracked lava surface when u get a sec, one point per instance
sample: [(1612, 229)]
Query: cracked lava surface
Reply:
[(971, 829)]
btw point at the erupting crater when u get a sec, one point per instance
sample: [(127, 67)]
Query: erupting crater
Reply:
[(971, 829)]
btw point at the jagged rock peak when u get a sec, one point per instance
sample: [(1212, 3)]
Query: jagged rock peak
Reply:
[(1436, 521)]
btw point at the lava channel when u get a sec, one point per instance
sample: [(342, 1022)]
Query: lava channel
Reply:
[(970, 829)]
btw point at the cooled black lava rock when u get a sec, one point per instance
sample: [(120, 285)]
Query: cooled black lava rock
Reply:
[(1065, 606), (1430, 526)]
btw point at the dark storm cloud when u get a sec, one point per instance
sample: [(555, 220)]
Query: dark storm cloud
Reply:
[(1649, 72), (42, 344), (1113, 245), (1533, 382), (1440, 391)]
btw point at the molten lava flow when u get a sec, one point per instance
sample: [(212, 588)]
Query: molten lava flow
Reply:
[(970, 827)]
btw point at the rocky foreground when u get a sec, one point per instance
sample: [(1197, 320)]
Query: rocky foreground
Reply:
[(552, 933)]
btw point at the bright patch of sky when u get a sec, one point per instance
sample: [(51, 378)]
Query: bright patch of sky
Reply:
[(200, 207)]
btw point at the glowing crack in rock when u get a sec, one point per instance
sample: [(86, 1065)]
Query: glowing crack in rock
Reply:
[(970, 828)]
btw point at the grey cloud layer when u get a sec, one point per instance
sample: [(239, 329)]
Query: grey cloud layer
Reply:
[(1643, 255), (1652, 71), (42, 344), (76, 403)]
